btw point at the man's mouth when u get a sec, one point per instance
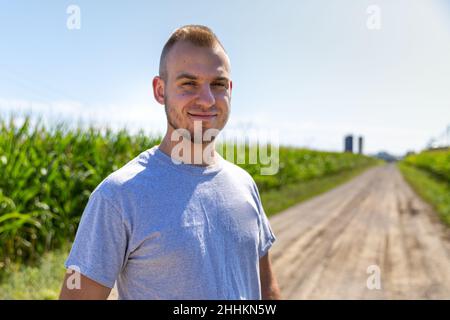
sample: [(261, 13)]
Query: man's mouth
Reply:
[(202, 116)]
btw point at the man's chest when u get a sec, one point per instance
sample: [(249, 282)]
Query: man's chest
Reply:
[(203, 222)]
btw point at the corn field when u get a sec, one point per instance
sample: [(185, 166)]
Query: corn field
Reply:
[(47, 176), (297, 165), (436, 162)]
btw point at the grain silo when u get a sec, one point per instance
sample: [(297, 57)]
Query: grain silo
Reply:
[(360, 144), (348, 143)]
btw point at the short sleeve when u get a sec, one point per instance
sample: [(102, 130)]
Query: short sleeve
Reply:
[(266, 235), (100, 244), (267, 238)]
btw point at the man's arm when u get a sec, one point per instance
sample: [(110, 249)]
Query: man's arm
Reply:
[(269, 285), (85, 289)]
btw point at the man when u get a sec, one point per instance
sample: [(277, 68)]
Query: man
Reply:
[(171, 224)]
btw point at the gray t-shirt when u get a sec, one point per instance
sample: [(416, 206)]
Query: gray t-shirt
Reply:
[(174, 231)]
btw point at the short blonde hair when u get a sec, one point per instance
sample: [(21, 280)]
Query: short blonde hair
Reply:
[(198, 35)]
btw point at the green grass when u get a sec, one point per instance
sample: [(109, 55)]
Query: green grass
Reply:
[(433, 190), (275, 201), (40, 281)]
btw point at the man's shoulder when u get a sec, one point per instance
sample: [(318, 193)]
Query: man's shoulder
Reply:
[(121, 179), (239, 173)]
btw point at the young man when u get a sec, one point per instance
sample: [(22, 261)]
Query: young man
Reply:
[(178, 221)]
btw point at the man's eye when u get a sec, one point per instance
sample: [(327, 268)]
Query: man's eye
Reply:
[(219, 85), (190, 83)]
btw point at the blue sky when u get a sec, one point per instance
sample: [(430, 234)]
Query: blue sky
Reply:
[(310, 70)]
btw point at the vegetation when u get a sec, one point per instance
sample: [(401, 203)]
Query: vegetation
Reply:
[(41, 280), (302, 165), (47, 176), (428, 173), (436, 162)]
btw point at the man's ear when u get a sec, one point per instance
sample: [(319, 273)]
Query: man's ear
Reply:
[(158, 89)]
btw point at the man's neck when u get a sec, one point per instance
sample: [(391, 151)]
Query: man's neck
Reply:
[(202, 154)]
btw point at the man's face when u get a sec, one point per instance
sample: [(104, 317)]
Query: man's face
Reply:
[(197, 87)]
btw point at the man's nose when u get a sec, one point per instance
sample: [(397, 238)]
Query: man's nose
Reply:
[(205, 97)]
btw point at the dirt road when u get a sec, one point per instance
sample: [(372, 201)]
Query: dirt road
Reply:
[(326, 245)]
